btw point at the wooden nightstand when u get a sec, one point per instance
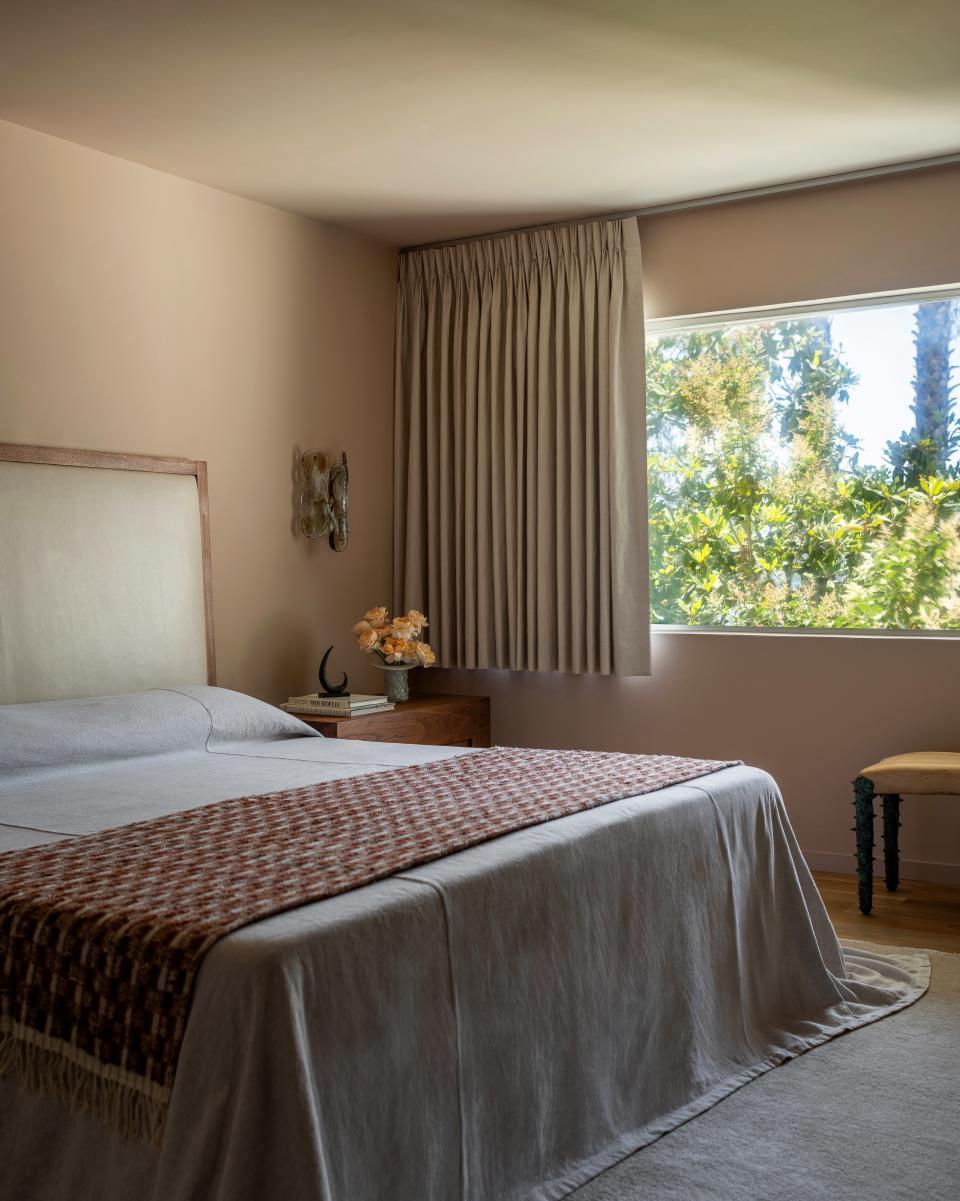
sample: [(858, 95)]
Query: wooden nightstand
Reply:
[(434, 720)]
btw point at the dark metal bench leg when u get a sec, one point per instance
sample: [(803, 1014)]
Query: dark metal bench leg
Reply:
[(863, 795), (891, 840)]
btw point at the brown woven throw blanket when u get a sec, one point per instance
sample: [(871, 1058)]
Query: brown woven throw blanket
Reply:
[(101, 937)]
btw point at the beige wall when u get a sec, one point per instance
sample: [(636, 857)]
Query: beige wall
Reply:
[(875, 236), (811, 710), (140, 312)]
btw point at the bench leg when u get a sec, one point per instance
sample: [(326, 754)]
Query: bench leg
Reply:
[(863, 795), (891, 840)]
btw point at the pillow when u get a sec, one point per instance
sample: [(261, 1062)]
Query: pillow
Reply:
[(49, 734), (235, 717)]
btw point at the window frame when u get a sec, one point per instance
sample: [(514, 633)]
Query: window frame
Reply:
[(727, 318)]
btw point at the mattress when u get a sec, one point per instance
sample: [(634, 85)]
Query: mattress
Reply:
[(499, 1024)]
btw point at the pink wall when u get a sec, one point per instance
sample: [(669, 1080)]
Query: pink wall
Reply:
[(140, 312), (811, 710)]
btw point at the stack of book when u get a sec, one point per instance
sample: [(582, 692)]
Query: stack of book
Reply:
[(317, 704)]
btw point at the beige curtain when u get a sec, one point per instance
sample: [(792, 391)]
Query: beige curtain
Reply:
[(520, 470)]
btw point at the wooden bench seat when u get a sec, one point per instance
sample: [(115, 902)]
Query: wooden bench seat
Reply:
[(917, 773)]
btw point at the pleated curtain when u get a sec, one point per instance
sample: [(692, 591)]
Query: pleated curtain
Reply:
[(520, 468)]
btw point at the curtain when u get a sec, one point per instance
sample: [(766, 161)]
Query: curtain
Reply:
[(520, 450)]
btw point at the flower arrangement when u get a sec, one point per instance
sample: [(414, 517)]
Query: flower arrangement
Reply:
[(397, 642)]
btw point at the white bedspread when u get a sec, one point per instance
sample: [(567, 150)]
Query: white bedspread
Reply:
[(500, 1024)]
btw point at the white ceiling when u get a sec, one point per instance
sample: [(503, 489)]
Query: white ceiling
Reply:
[(413, 120)]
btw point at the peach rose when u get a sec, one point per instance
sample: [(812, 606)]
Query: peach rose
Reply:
[(376, 617), (394, 649), (425, 656), (367, 639), (403, 628), (360, 628), (417, 619)]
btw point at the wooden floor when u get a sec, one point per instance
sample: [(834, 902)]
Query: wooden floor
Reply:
[(916, 915)]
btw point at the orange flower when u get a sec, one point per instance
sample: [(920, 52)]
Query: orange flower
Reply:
[(403, 628), (425, 656), (417, 619), (360, 628), (367, 639), (394, 649), (376, 617)]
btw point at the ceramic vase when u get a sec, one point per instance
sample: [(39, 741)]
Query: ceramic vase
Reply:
[(396, 681)]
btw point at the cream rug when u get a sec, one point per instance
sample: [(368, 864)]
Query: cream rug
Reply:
[(873, 1115)]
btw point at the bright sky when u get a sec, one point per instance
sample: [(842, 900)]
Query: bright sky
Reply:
[(878, 345)]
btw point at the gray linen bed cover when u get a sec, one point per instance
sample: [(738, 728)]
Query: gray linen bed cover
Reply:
[(500, 1024)]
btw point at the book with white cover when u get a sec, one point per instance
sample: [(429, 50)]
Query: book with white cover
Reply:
[(353, 700)]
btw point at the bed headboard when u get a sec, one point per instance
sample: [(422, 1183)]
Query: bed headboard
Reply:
[(104, 573)]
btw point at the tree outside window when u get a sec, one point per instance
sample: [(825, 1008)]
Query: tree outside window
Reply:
[(804, 472)]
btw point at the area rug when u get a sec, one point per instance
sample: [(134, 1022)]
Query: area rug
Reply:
[(874, 1114)]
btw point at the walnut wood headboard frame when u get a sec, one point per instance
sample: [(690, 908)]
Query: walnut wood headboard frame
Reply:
[(107, 460)]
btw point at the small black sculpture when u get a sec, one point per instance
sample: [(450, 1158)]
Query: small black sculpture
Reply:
[(327, 688)]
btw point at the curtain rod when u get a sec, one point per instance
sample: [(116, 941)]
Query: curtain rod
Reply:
[(677, 206)]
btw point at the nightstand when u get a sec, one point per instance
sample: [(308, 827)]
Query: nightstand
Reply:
[(434, 720)]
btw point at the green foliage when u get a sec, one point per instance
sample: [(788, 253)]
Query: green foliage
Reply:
[(760, 512)]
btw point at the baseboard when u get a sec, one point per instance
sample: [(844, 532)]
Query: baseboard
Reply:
[(910, 869)]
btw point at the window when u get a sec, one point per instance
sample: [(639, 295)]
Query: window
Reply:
[(804, 468)]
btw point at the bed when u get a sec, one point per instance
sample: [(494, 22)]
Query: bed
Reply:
[(498, 1024)]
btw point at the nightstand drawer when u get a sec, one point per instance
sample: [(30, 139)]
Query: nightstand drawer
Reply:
[(432, 720)]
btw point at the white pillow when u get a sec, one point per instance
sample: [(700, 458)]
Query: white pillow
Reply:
[(48, 734)]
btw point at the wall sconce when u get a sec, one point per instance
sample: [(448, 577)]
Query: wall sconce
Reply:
[(323, 497)]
